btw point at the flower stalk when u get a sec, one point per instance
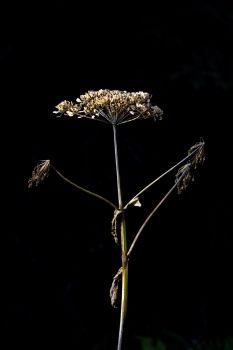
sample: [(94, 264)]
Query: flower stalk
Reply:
[(119, 192), (124, 260)]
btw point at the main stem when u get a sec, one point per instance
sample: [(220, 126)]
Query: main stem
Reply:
[(124, 288), (117, 169)]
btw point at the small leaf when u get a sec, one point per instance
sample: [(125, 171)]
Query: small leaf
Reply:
[(114, 287), (135, 202), (114, 225), (39, 173)]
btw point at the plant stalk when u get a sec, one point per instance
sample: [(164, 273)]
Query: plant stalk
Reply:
[(124, 281), (124, 286), (117, 169), (165, 173), (152, 213), (82, 188)]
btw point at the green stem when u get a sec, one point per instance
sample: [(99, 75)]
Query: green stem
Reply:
[(124, 286)]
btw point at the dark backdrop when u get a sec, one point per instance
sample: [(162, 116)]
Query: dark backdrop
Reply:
[(59, 256)]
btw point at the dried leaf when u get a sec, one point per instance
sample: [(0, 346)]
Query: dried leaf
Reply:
[(39, 173), (114, 288), (135, 202), (114, 225), (187, 170), (199, 155)]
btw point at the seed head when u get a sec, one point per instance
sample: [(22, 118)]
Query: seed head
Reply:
[(111, 106)]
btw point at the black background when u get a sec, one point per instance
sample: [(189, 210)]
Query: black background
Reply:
[(59, 255)]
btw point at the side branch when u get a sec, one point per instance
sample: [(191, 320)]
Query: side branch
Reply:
[(192, 151), (157, 207), (83, 189)]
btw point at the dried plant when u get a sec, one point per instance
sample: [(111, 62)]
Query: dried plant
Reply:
[(117, 107)]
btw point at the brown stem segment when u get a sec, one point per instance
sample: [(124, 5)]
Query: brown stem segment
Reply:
[(83, 189)]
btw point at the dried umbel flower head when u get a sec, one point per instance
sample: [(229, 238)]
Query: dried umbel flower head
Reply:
[(111, 106), (39, 173)]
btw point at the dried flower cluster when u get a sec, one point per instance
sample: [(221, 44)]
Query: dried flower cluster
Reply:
[(111, 106), (39, 173), (187, 170)]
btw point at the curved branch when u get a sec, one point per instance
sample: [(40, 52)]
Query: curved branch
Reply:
[(83, 189), (155, 209), (165, 173)]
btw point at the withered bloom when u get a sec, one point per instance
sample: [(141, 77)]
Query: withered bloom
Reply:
[(39, 173), (111, 106)]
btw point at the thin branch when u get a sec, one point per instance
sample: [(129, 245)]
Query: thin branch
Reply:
[(155, 209), (161, 176), (84, 189), (96, 119), (123, 121)]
